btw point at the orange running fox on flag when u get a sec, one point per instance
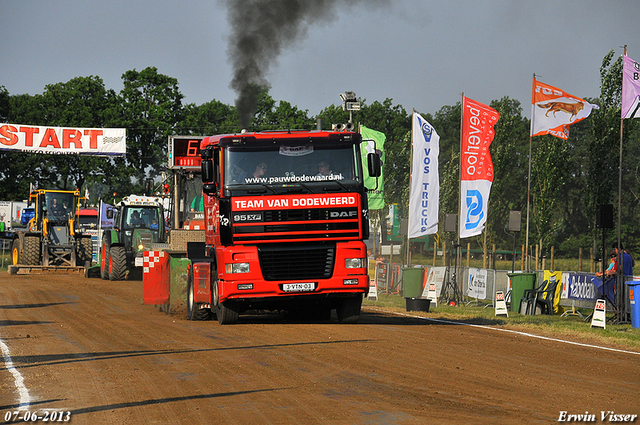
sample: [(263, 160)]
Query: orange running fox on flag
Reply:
[(554, 110)]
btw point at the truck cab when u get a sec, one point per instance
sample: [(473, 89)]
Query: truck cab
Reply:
[(285, 218)]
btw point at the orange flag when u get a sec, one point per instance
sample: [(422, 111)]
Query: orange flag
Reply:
[(553, 110)]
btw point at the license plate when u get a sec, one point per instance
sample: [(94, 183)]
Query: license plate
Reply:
[(298, 287), (138, 262)]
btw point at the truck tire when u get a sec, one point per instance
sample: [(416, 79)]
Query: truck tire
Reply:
[(104, 262), (226, 312), (117, 263), (84, 250), (16, 253), (194, 310), (348, 309), (32, 250)]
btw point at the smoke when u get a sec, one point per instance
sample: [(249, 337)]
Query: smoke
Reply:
[(261, 29)]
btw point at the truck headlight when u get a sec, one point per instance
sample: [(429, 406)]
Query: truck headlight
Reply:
[(354, 263), (141, 247), (237, 268)]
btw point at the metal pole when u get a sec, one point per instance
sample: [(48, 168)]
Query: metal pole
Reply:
[(621, 288)]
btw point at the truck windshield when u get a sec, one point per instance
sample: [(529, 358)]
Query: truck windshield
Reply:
[(308, 166)]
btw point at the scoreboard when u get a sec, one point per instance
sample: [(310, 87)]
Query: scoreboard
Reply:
[(184, 152)]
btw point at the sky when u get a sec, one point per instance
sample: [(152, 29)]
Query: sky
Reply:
[(421, 54)]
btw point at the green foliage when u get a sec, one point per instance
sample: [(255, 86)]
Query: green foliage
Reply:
[(151, 108), (569, 178)]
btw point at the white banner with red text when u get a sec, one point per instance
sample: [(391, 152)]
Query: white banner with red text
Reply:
[(63, 140)]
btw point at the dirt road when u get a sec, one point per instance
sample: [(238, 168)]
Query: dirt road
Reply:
[(91, 348)]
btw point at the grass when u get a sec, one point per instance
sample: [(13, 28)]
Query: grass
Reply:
[(572, 328)]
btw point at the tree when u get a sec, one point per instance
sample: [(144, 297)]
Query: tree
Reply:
[(151, 107), (210, 118), (81, 102)]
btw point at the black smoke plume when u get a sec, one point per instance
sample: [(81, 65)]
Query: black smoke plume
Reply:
[(261, 29)]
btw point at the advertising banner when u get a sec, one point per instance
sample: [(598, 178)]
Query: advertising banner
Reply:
[(369, 136), (476, 173), (477, 283), (63, 140), (553, 110), (630, 88), (424, 195)]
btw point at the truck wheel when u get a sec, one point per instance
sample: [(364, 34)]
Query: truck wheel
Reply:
[(226, 312), (104, 262), (348, 310), (84, 251), (194, 312), (117, 263), (32, 250), (16, 254)]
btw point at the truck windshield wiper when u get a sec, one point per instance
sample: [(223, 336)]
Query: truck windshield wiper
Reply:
[(293, 188), (335, 181), (250, 188)]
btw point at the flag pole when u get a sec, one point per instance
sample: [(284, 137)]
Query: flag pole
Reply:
[(526, 244), (413, 111), (620, 254), (457, 245), (460, 172)]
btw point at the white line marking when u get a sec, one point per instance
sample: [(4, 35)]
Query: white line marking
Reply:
[(25, 399), (511, 331)]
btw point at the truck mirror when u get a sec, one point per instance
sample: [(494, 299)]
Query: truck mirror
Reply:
[(207, 170), (375, 165), (209, 188)]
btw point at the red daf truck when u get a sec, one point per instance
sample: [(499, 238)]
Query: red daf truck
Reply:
[(285, 217)]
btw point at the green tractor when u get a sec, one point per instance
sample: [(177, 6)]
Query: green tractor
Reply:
[(139, 223), (52, 237)]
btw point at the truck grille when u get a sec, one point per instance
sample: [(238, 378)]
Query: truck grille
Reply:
[(300, 224), (299, 262)]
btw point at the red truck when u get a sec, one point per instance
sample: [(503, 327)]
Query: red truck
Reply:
[(285, 218)]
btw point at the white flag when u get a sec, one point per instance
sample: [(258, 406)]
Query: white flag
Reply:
[(425, 181)]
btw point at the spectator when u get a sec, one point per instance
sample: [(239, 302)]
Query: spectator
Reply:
[(613, 266), (197, 204), (624, 258)]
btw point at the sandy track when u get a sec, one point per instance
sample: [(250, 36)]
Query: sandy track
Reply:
[(91, 347)]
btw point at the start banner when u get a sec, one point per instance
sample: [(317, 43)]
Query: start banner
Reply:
[(63, 140)]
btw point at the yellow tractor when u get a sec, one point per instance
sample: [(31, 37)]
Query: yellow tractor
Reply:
[(52, 237)]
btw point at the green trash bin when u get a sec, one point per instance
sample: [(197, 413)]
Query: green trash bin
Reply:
[(519, 283), (412, 282)]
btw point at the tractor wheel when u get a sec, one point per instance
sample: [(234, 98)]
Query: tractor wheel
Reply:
[(16, 253), (104, 262), (226, 312), (194, 312), (84, 250), (32, 250), (348, 310), (117, 263)]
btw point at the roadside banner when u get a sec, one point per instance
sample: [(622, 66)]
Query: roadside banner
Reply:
[(107, 215), (369, 136), (477, 287), (476, 173), (63, 140), (630, 88), (424, 195), (554, 110)]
